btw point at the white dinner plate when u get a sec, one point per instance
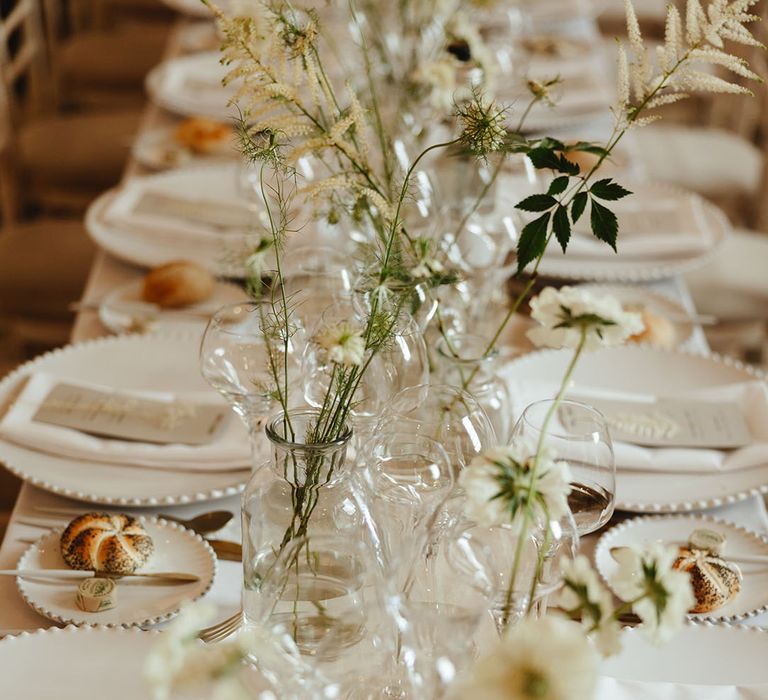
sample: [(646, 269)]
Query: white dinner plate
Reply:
[(138, 602), (86, 663), (646, 370), (708, 221), (124, 310), (159, 362), (675, 530), (158, 149), (192, 86), (636, 298), (151, 247), (700, 654)]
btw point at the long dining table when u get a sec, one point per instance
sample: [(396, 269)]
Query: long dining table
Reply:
[(28, 520)]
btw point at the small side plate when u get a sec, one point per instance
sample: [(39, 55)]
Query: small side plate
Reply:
[(674, 530), (138, 602)]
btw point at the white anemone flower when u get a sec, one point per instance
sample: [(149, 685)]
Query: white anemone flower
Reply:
[(666, 592), (498, 483), (566, 313), (344, 344), (584, 594), (539, 659)]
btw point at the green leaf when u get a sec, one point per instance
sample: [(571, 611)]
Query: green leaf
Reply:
[(567, 166), (588, 148), (562, 227), (551, 144), (604, 224), (607, 189), (543, 158), (558, 185), (536, 202), (578, 206), (533, 241)]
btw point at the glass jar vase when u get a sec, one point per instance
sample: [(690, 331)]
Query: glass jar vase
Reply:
[(304, 492)]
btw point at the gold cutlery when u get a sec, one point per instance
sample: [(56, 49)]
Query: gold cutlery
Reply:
[(202, 524)]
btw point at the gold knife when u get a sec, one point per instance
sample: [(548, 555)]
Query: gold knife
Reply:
[(77, 575), (229, 551)]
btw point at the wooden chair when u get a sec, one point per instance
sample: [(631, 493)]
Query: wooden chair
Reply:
[(101, 68), (50, 161)]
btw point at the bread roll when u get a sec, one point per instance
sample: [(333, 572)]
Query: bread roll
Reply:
[(116, 544), (659, 331), (205, 136), (714, 581), (178, 283)]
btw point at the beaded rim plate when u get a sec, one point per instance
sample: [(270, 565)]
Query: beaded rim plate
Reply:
[(138, 602), (118, 360), (643, 369), (750, 601)]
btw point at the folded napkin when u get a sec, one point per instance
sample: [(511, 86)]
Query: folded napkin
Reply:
[(650, 228), (616, 689), (228, 452), (751, 396), (145, 205)]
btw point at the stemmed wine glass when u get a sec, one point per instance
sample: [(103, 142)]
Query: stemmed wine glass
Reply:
[(577, 434), (236, 359)]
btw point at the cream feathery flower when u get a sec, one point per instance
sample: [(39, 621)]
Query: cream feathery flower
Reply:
[(583, 594), (539, 659), (623, 77), (343, 343), (498, 487), (563, 313), (666, 593)]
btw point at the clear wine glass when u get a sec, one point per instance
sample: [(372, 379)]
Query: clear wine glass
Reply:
[(235, 360), (578, 434)]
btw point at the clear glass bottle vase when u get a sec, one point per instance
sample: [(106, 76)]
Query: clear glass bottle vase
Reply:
[(304, 492)]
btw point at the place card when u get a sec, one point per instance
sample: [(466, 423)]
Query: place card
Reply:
[(225, 216), (129, 417), (670, 422)]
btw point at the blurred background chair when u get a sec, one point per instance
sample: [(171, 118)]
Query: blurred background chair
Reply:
[(99, 64), (50, 161)]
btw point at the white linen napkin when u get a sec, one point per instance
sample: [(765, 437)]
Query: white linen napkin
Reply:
[(650, 227), (617, 689), (751, 396), (145, 205), (228, 452)]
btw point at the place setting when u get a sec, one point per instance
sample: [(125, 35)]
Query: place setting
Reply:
[(694, 423), (177, 441)]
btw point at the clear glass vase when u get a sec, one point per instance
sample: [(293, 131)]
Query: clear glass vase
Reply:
[(464, 363), (304, 491)]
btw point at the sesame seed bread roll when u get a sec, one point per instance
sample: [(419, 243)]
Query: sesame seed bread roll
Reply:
[(117, 544)]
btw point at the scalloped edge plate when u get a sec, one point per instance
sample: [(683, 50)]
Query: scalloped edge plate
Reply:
[(635, 368), (174, 548), (43, 470), (738, 538)]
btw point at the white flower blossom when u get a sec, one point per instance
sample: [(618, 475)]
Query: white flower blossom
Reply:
[(497, 484), (343, 343), (426, 268), (544, 658), (563, 313), (584, 594), (440, 76), (667, 592)]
